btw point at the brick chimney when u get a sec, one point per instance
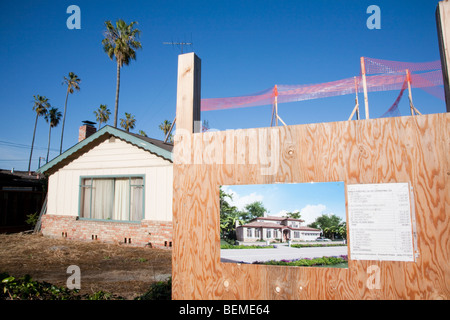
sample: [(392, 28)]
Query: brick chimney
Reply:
[(86, 130)]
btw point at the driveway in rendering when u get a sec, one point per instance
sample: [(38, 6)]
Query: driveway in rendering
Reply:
[(279, 253)]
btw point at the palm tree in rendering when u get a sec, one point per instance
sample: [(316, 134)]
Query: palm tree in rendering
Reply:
[(40, 106), (102, 114), (128, 123), (73, 83), (53, 116), (121, 42), (165, 127)]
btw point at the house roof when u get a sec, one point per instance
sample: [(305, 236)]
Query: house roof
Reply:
[(274, 218), (19, 179), (259, 224), (154, 146)]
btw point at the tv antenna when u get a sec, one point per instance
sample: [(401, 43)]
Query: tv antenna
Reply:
[(180, 45)]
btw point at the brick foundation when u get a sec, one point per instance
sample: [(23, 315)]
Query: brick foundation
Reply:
[(157, 234)]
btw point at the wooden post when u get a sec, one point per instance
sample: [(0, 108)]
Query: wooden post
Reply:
[(408, 79), (443, 27), (170, 130), (356, 108), (276, 104), (356, 99), (363, 74), (411, 104), (188, 93)]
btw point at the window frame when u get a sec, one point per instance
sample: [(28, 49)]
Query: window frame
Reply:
[(114, 176)]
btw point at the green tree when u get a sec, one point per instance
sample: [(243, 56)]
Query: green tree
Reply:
[(342, 230), (40, 107), (53, 116), (142, 133), (73, 83), (253, 210), (102, 114), (121, 42), (229, 215), (128, 123), (165, 127), (326, 221), (293, 215)]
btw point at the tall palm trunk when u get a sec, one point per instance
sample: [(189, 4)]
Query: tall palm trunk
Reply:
[(64, 120), (32, 144), (117, 95), (49, 134)]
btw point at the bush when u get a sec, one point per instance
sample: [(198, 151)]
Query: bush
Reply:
[(229, 246), (32, 219), (308, 245), (25, 288), (306, 262), (161, 290)]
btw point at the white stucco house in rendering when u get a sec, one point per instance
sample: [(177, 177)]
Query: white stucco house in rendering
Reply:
[(273, 228)]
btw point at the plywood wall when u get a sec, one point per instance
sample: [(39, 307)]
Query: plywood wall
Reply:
[(405, 149)]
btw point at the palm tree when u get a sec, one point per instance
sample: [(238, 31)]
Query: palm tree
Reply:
[(128, 123), (165, 127), (121, 42), (142, 133), (53, 116), (73, 82), (102, 114), (40, 107)]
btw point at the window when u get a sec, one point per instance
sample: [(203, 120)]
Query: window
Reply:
[(249, 233), (269, 233), (112, 198), (296, 234)]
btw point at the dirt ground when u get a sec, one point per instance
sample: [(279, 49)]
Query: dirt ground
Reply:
[(119, 269)]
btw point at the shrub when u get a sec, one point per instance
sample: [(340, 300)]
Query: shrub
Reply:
[(306, 262), (161, 290), (25, 288), (229, 246)]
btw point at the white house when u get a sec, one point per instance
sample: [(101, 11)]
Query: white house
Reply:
[(112, 186), (273, 228)]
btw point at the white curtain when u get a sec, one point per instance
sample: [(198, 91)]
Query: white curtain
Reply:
[(102, 193), (112, 199), (137, 194), (86, 198), (121, 199)]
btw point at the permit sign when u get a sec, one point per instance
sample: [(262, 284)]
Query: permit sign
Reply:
[(380, 224)]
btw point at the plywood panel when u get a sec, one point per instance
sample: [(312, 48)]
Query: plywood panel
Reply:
[(405, 149)]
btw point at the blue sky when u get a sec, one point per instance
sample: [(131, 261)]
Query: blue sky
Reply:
[(310, 199), (245, 47)]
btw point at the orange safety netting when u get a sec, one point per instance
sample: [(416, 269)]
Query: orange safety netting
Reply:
[(387, 75)]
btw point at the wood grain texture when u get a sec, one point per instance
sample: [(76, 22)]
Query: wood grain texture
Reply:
[(405, 149)]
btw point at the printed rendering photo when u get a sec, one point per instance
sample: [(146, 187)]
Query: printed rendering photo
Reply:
[(295, 224)]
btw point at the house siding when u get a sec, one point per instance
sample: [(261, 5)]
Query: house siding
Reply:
[(118, 158)]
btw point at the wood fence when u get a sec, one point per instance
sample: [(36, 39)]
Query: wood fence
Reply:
[(413, 149)]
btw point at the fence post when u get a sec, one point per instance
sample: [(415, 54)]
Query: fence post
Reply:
[(188, 93)]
